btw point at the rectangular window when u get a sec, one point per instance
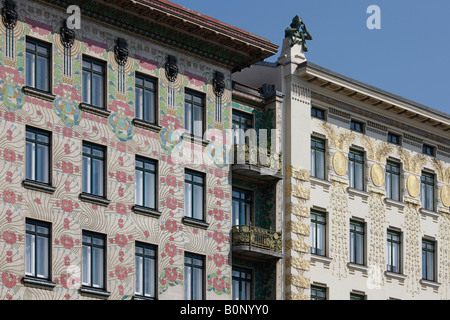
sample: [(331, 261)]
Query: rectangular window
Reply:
[(146, 179), (393, 138), (242, 283), (428, 260), (356, 296), (393, 251), (38, 64), (193, 195), (357, 126), (194, 108), (93, 89), (318, 293), (242, 121), (37, 249), (93, 260), (357, 242), (393, 180), (37, 155), (242, 207), (428, 150), (194, 276), (145, 270), (93, 169), (318, 113), (356, 169), (318, 232), (145, 98), (427, 191), (318, 158)]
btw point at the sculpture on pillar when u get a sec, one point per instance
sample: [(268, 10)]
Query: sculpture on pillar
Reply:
[(297, 33)]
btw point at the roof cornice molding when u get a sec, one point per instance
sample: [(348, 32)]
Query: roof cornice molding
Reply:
[(314, 71), (183, 29)]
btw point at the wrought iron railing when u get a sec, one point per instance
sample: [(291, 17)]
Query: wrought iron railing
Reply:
[(243, 154), (257, 237)]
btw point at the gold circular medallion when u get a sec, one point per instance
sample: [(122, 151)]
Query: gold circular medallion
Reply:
[(378, 175), (340, 163), (445, 195), (413, 186)]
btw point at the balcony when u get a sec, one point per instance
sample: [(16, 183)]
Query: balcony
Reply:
[(256, 243), (257, 163)]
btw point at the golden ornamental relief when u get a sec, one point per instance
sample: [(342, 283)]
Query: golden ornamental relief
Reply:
[(413, 164), (377, 174), (297, 173), (336, 140), (340, 164), (445, 196), (413, 185), (440, 169), (376, 152)]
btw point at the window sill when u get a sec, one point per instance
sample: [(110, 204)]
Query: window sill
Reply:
[(323, 259), (432, 214), (357, 267), (146, 125), (37, 93), (136, 297), (429, 283), (146, 211), (191, 138), (394, 275), (38, 186), (38, 283), (321, 182), (95, 292), (95, 110), (195, 222), (94, 199), (394, 203), (360, 193)]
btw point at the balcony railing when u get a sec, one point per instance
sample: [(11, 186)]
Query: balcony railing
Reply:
[(262, 158), (243, 235)]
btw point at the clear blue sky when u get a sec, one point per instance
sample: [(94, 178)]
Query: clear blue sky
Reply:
[(409, 56)]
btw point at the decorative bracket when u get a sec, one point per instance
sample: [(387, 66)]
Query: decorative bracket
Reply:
[(121, 51), (171, 68), (9, 14), (67, 35), (219, 83)]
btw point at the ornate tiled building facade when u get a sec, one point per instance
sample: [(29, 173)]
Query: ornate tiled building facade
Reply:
[(62, 203)]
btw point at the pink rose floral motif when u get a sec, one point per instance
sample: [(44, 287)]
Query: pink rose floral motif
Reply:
[(9, 155), (218, 236), (9, 237), (171, 250), (121, 208), (67, 167), (218, 214), (172, 203), (67, 132), (9, 116), (171, 226), (171, 181), (9, 197), (218, 192), (9, 280), (67, 242), (218, 173), (219, 259), (67, 261), (67, 205), (121, 272), (121, 176), (146, 63), (121, 240), (218, 284), (68, 281), (171, 274)]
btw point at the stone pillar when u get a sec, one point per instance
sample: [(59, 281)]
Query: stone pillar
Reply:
[(296, 157)]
